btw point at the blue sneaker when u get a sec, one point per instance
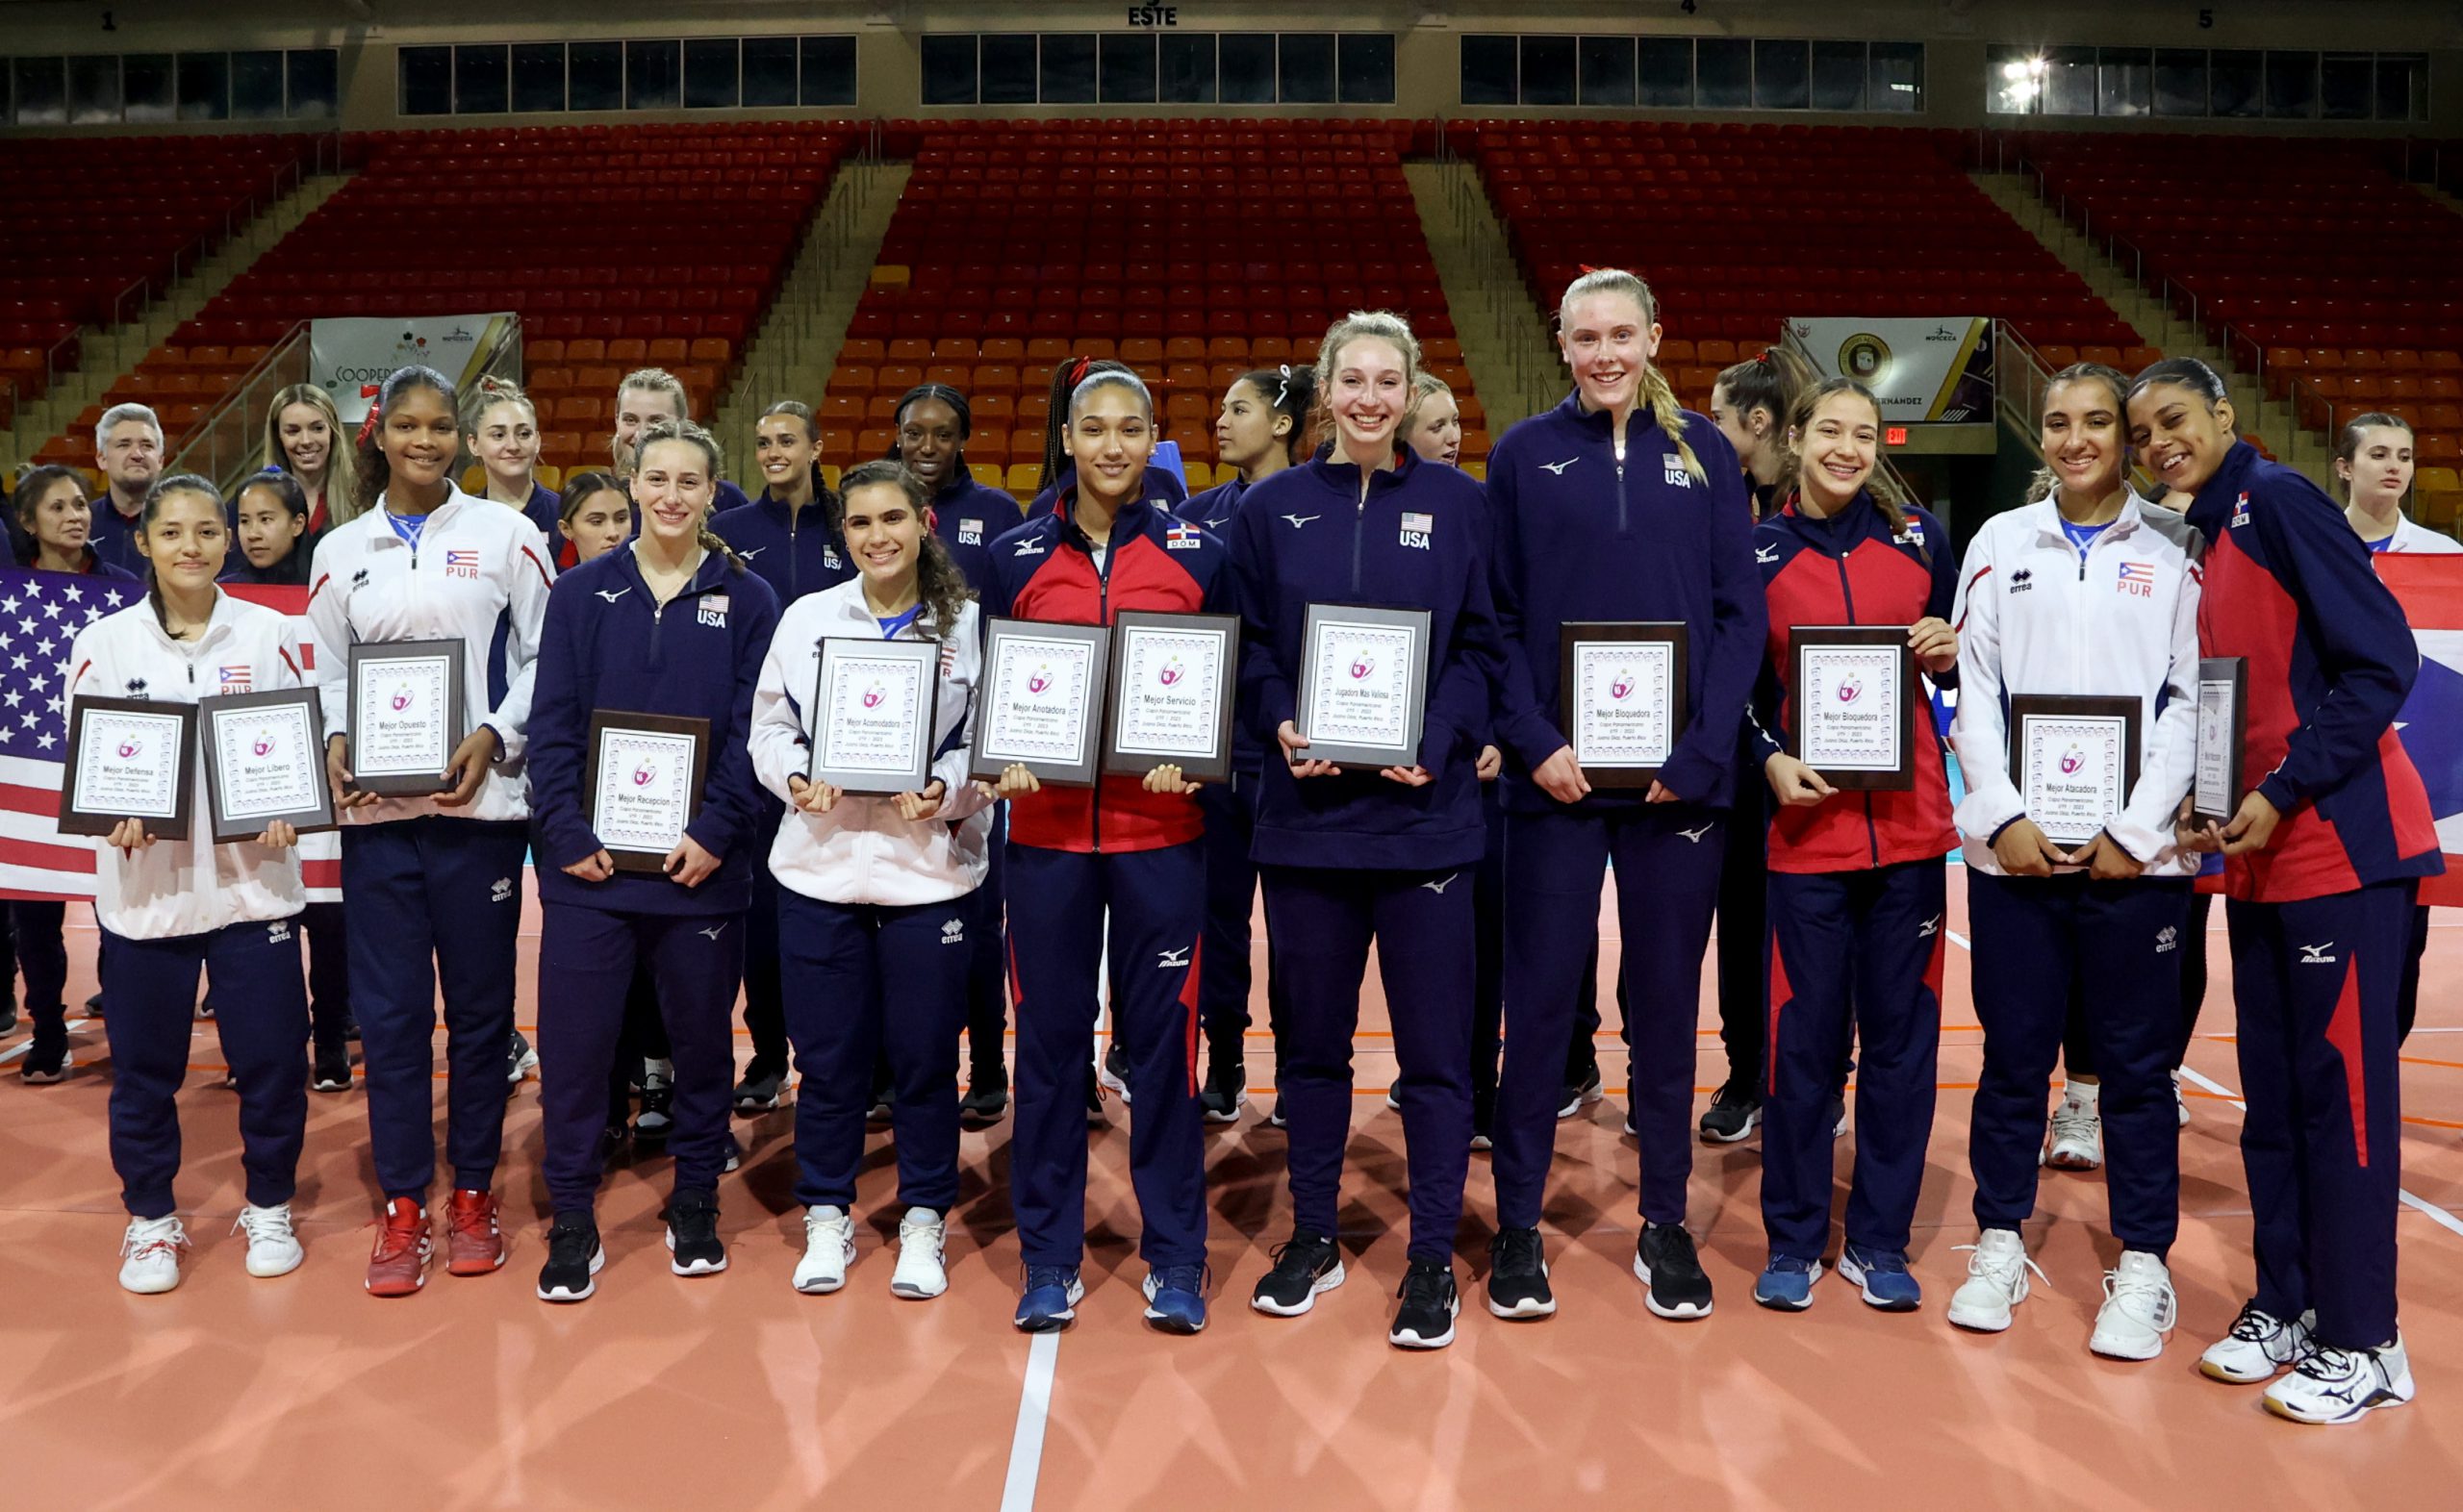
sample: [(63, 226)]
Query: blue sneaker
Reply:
[(1175, 1299), (1787, 1283), (1051, 1300), (1884, 1276)]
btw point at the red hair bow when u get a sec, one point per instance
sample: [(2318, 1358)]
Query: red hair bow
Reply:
[(1077, 374)]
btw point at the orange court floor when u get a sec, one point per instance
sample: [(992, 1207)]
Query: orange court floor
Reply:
[(734, 1391)]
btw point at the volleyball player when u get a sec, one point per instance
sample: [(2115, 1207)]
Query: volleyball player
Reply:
[(427, 562), (2323, 861), (1351, 857), (644, 397), (504, 429), (593, 517), (1857, 885), (304, 438), (2080, 594), (1432, 426)]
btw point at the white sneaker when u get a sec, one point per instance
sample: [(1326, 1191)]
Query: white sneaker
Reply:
[(1996, 1281), (274, 1249), (154, 1248), (2180, 1099), (2139, 1309), (2259, 1344), (2331, 1385), (2077, 1139), (829, 1247), (920, 1275)]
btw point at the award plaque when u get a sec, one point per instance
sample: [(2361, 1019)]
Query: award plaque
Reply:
[(2223, 731), (870, 714), (1621, 689), (1363, 684), (128, 758), (1041, 703), (1849, 713), (406, 714), (1172, 679), (265, 761), (2073, 760), (643, 777)]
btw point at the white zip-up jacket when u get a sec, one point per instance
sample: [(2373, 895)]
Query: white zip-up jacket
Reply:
[(861, 851), (2413, 539), (480, 574), (173, 887), (2036, 616)]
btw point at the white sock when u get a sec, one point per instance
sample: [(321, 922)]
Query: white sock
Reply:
[(2083, 1093), (923, 1214)]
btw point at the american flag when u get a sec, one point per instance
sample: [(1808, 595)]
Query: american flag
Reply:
[(41, 613)]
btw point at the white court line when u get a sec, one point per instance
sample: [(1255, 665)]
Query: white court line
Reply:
[(1034, 1407)]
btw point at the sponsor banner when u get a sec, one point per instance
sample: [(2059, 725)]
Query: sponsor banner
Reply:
[(1920, 371), (351, 358)]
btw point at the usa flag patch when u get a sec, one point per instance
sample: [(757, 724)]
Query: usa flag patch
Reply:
[(1419, 522), (1183, 537)]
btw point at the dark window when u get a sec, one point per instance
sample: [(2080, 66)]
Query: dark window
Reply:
[(7, 91), (1187, 69), (652, 71), (2180, 80), (205, 87), (2347, 86), (1604, 68), (1547, 70), (93, 90), (2124, 82), (830, 71), (1724, 73), (479, 81), (538, 76), (1838, 76), (146, 84), (43, 91), (594, 75), (1779, 77), (2292, 86), (2068, 81), (1489, 69), (1664, 68), (256, 86), (769, 71), (713, 74), (1248, 67), (427, 83), (1128, 73), (2236, 82), (1894, 76), (1008, 68), (1364, 68), (2013, 81), (949, 69), (1068, 70), (1305, 67), (2402, 87)]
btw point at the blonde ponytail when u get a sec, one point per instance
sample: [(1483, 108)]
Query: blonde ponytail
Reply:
[(1655, 395)]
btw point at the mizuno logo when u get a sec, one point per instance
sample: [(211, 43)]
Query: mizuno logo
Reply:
[(1298, 521), (1766, 554), (1168, 959), (1438, 887), (1695, 835), (1929, 928), (1028, 549), (2316, 954), (713, 932), (1558, 468), (611, 598), (749, 552)]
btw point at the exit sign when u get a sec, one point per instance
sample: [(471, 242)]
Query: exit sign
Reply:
[(1895, 436)]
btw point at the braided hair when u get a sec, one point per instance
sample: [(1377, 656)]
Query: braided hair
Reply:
[(692, 434), (1655, 394)]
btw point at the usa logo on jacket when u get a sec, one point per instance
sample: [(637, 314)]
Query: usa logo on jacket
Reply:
[(713, 610), (1418, 530)]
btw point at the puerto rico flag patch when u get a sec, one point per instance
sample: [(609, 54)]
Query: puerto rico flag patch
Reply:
[(1181, 535), (461, 564), (236, 679)]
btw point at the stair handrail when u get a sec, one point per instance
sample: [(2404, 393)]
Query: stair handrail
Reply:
[(227, 443)]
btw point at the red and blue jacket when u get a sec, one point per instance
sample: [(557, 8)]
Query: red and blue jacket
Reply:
[(1418, 540), (794, 552), (2290, 587), (1584, 536), (969, 517), (1046, 570), (1852, 569), (607, 642)]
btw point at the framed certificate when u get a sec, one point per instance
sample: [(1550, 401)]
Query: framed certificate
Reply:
[(1041, 702), (2073, 760), (2222, 732), (265, 760), (871, 713), (406, 714), (642, 778), (1173, 678), (1363, 684), (1850, 717), (1622, 691), (128, 758)]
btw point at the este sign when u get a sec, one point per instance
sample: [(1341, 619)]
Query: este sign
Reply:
[(1154, 15)]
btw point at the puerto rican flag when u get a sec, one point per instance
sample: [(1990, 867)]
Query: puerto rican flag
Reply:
[(2431, 589), (462, 559), (2138, 572)]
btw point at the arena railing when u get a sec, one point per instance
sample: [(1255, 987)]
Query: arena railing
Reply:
[(228, 440)]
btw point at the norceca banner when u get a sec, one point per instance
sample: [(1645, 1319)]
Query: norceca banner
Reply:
[(350, 358), (1920, 369)]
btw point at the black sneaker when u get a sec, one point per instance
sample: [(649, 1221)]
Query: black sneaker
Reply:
[(46, 1055), (1425, 1319), (1306, 1265), (351, 1028), (1733, 1113), (333, 1069), (1665, 1262), (987, 1096), (612, 1143), (573, 1259), (759, 1092), (1226, 1091), (656, 1120), (520, 1061), (693, 1234), (1578, 1092), (1518, 1275), (95, 1006), (9, 1011), (878, 1115), (1115, 1073), (735, 1154)]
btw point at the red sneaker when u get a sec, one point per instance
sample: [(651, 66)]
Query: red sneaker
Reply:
[(473, 1243), (403, 1249)]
